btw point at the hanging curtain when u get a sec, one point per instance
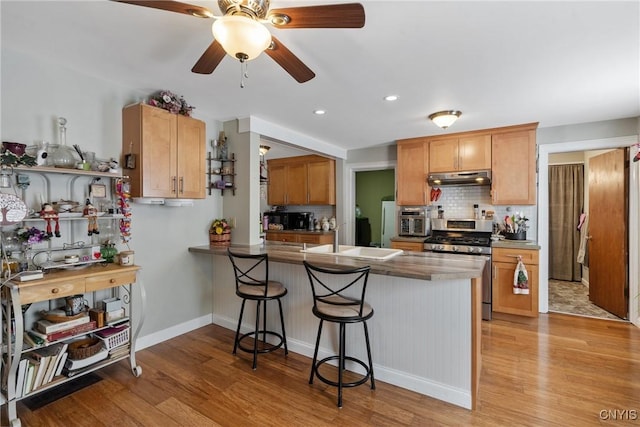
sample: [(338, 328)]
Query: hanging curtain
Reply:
[(566, 202)]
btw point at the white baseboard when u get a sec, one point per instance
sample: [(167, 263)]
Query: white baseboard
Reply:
[(172, 332)]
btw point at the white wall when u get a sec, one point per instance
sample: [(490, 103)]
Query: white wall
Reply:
[(178, 284)]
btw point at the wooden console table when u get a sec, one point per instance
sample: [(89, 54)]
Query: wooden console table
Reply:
[(54, 285)]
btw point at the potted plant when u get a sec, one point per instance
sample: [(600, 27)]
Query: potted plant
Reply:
[(220, 233)]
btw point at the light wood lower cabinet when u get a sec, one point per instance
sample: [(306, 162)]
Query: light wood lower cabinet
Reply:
[(312, 238), (504, 262), (408, 246)]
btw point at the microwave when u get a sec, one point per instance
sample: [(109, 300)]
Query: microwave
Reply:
[(414, 222), (289, 220)]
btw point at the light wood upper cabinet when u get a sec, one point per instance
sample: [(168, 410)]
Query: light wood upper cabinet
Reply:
[(169, 152), (302, 180), (321, 175), (513, 167), (504, 262), (462, 153), (412, 171)]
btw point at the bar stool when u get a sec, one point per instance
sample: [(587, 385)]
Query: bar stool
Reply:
[(339, 297), (252, 283)]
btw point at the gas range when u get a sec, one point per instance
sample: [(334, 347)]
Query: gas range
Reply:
[(465, 236)]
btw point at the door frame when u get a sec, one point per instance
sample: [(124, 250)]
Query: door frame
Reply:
[(349, 210), (634, 215)]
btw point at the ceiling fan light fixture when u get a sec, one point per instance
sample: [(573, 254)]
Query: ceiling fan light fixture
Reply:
[(446, 118), (241, 37)]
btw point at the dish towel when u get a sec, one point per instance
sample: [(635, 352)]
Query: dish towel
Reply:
[(582, 251), (521, 279)]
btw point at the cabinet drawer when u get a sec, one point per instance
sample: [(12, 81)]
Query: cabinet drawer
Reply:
[(529, 256), (110, 280), (408, 246), (51, 291)]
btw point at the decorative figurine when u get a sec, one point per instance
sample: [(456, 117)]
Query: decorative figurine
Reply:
[(91, 213), (49, 214)]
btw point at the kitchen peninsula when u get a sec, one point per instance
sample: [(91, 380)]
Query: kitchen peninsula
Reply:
[(426, 330)]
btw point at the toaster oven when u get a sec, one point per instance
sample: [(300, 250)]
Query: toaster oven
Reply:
[(414, 222)]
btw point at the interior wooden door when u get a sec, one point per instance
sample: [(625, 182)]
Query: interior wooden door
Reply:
[(608, 224)]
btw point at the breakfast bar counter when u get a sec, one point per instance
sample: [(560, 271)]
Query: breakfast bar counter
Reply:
[(426, 330)]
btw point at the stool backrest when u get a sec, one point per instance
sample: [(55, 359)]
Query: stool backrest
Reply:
[(249, 273), (339, 287)]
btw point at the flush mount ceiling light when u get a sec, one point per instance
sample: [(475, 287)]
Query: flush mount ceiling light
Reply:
[(391, 98), (319, 112), (444, 119), (264, 149)]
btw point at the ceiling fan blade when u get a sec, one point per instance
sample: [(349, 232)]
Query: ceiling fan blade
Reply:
[(172, 6), (209, 59), (287, 60), (348, 15)]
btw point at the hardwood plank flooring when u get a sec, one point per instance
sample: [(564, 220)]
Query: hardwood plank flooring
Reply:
[(556, 370)]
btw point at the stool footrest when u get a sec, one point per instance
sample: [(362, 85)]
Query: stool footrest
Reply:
[(363, 379), (267, 347)]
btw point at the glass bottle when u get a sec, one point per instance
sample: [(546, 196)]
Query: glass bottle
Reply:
[(63, 157)]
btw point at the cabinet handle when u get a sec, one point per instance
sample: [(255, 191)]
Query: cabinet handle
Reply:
[(112, 280), (181, 189), (174, 184), (55, 290), (495, 271)]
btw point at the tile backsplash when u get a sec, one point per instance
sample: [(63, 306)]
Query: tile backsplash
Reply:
[(458, 201)]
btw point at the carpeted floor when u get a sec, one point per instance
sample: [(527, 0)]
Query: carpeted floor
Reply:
[(573, 298)]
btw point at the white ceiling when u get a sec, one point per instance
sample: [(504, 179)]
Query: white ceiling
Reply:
[(500, 63)]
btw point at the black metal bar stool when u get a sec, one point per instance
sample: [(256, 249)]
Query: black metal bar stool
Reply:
[(252, 283), (339, 297)]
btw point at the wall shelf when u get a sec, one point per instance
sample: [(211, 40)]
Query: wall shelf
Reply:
[(221, 174)]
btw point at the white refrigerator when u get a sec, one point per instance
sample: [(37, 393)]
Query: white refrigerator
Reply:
[(388, 223)]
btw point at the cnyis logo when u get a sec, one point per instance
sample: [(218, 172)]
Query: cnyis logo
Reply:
[(619, 414)]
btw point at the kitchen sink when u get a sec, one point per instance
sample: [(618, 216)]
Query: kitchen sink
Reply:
[(380, 254)]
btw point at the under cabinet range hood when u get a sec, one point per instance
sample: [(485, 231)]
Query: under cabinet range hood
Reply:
[(482, 177)]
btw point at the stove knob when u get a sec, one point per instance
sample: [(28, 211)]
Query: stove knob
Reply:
[(454, 248), (471, 249)]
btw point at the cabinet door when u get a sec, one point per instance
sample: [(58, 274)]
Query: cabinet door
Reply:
[(277, 188), (297, 191), (443, 155), (474, 152), (158, 150), (191, 158), (504, 300), (513, 166), (413, 167), (321, 183)]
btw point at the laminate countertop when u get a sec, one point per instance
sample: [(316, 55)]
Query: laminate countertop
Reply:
[(416, 265)]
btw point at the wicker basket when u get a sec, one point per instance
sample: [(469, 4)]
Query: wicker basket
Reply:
[(84, 348), (223, 239)]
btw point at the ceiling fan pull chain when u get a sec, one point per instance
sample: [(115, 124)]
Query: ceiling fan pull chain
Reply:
[(244, 73)]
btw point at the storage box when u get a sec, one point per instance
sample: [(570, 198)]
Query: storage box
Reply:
[(111, 304)]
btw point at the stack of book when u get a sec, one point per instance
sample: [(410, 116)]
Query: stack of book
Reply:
[(39, 367), (54, 331)]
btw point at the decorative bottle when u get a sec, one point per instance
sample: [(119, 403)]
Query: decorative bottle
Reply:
[(63, 157)]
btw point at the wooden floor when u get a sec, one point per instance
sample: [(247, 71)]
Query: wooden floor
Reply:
[(556, 370)]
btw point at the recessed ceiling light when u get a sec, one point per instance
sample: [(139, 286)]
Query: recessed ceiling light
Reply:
[(391, 97), (319, 112)]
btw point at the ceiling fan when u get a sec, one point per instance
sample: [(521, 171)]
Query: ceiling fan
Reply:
[(241, 32)]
